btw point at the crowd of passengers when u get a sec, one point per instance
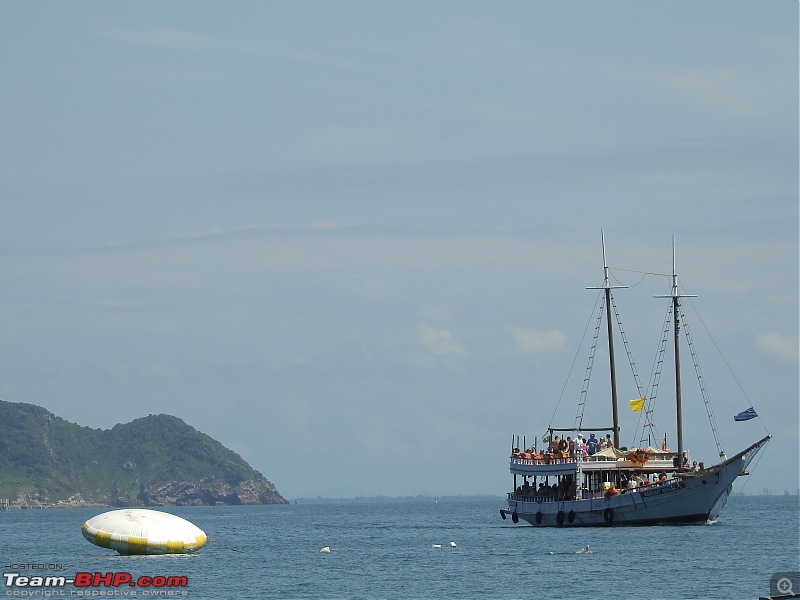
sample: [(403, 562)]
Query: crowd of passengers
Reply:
[(580, 445), (563, 448), (566, 488)]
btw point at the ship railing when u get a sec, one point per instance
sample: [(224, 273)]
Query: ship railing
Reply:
[(526, 458), (533, 498)]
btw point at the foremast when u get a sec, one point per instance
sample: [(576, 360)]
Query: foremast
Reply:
[(607, 287), (675, 296)]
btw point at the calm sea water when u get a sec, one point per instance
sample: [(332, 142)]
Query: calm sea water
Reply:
[(385, 550)]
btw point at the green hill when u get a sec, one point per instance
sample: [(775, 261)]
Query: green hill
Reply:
[(154, 461)]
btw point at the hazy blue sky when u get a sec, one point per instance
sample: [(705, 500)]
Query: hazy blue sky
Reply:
[(351, 240)]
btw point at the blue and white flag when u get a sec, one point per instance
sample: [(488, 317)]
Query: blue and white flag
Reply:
[(746, 415)]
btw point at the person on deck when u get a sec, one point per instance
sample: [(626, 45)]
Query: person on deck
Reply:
[(580, 445), (609, 441), (591, 445)]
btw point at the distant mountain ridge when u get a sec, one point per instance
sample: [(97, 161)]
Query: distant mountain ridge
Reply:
[(156, 460)]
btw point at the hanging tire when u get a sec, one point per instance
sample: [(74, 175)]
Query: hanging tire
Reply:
[(539, 518), (515, 517), (571, 516), (608, 515), (560, 518)]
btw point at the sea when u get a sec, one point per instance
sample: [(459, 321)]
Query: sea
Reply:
[(401, 549)]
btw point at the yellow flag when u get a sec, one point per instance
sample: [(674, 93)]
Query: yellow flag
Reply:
[(638, 404)]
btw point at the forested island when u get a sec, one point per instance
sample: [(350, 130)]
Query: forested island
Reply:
[(156, 460)]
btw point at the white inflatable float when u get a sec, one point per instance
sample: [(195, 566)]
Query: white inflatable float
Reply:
[(140, 531)]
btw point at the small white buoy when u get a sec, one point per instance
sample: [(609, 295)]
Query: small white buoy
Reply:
[(436, 546), (325, 550), (453, 545)]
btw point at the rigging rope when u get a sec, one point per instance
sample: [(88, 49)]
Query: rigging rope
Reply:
[(588, 374), (724, 360), (655, 374), (637, 381), (701, 381), (572, 366), (642, 273), (758, 458), (656, 370)]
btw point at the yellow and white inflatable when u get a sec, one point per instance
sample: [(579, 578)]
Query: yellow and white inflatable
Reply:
[(141, 531)]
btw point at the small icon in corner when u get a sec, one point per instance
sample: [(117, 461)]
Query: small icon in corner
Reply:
[(785, 584)]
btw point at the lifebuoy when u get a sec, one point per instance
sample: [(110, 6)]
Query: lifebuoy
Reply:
[(571, 516), (560, 518), (515, 517), (539, 518), (608, 515), (503, 514)]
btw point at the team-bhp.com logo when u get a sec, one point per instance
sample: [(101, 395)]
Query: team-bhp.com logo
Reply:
[(95, 584)]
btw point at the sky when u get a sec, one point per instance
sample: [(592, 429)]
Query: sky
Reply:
[(351, 241)]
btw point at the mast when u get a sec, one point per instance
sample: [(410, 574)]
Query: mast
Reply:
[(608, 287), (676, 296)]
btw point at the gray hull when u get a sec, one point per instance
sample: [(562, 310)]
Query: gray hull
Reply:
[(689, 498)]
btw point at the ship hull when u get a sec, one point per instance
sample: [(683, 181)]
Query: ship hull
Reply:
[(688, 498)]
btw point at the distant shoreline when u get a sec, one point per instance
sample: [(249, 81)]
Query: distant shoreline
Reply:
[(379, 499), (398, 499), (462, 498)]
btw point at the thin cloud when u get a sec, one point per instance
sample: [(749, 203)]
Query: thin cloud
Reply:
[(531, 341), (730, 91), (222, 234), (336, 139), (176, 38), (167, 38), (778, 346), (440, 342)]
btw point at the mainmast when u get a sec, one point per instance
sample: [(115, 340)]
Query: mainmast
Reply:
[(608, 287), (676, 296)]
